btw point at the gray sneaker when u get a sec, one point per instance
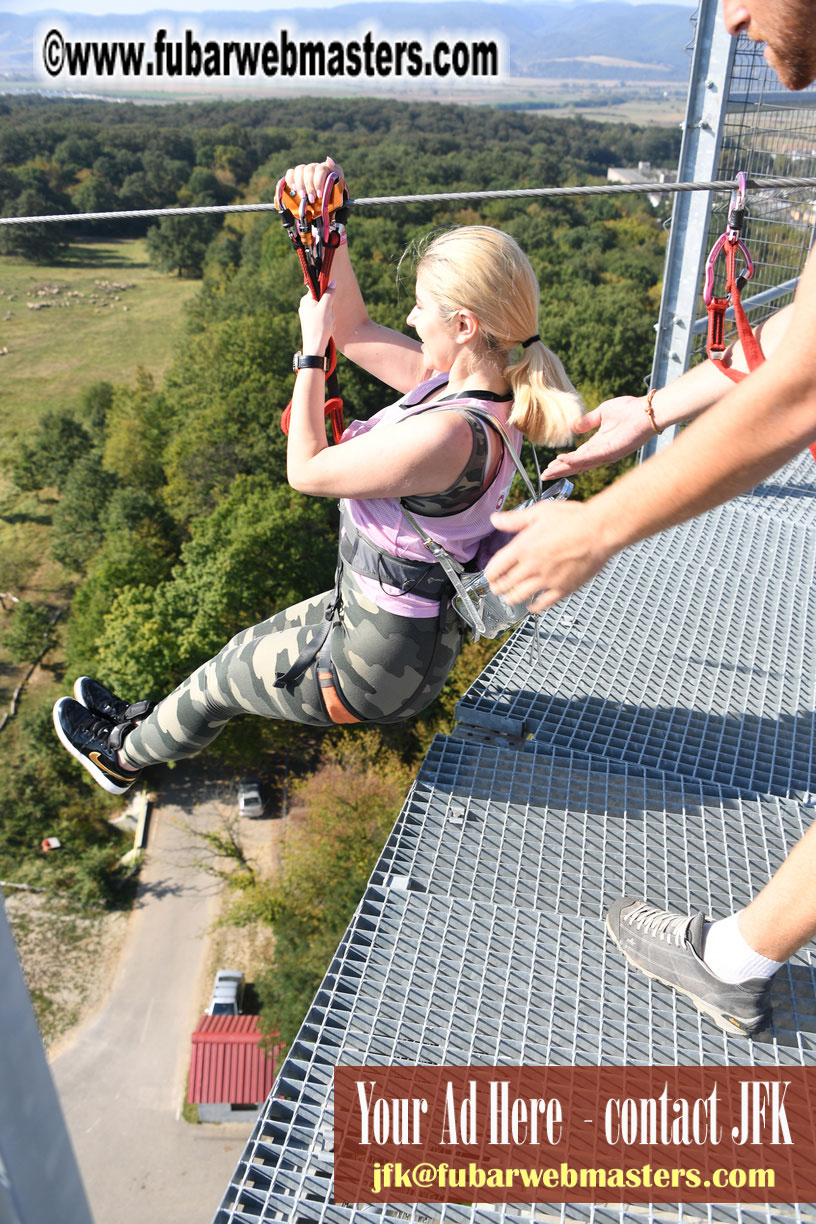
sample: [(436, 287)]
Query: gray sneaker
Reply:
[(669, 948)]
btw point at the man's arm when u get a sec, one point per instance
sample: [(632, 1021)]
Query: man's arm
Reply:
[(623, 425), (750, 433)]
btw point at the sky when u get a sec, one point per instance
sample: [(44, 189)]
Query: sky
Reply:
[(102, 7)]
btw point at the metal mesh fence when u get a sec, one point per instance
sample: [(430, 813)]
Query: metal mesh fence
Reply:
[(767, 130)]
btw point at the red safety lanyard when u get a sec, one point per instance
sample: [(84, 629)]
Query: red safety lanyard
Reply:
[(717, 307), (729, 245), (316, 231)]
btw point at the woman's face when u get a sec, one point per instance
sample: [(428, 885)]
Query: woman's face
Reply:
[(437, 336)]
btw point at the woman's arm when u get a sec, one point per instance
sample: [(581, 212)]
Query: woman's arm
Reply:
[(387, 354), (623, 425), (422, 455)]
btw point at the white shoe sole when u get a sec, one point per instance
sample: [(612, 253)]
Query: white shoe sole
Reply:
[(98, 775)]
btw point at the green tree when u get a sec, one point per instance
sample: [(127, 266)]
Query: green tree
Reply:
[(44, 794), (179, 244), (59, 441), (136, 431), (245, 562), (76, 533), (75, 153), (227, 392), (95, 405), (39, 243), (342, 817), (126, 559), (31, 632), (95, 195)]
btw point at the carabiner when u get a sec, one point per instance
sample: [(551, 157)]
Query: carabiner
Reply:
[(736, 209), (745, 275), (326, 207)]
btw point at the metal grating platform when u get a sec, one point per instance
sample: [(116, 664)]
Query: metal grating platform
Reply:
[(740, 538), (704, 672), (434, 980), (480, 939), (533, 830), (789, 495)]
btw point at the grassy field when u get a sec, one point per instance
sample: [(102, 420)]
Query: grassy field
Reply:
[(99, 314), (648, 104)]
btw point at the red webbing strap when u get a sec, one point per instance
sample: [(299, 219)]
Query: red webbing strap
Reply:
[(335, 704), (336, 709), (754, 355), (717, 307)]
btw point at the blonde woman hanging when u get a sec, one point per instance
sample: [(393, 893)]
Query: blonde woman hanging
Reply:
[(379, 647)]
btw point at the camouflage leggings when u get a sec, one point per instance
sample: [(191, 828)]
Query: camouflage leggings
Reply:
[(388, 667)]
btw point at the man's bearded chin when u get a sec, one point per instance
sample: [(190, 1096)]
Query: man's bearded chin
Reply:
[(796, 68)]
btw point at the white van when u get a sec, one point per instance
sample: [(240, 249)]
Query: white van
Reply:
[(227, 993)]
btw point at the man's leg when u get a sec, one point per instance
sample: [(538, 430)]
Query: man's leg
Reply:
[(782, 918), (726, 967)]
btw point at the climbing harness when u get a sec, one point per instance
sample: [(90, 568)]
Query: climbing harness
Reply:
[(485, 613), (316, 231), (729, 245), (439, 578)]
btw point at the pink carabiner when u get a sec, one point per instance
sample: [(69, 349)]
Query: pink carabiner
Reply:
[(746, 273), (328, 188), (708, 289)]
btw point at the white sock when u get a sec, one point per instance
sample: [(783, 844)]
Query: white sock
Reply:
[(730, 957)]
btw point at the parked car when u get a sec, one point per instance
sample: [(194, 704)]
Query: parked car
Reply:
[(227, 993), (250, 797)]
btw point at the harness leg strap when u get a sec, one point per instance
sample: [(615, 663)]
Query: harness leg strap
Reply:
[(312, 648), (336, 705)]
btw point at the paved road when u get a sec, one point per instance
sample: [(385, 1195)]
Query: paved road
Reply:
[(121, 1082)]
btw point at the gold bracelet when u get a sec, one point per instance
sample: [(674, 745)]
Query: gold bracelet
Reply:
[(649, 410)]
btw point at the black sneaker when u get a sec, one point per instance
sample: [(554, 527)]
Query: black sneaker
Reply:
[(669, 948), (94, 696), (94, 741)]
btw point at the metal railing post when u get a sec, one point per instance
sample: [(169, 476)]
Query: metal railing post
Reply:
[(40, 1182), (699, 158)]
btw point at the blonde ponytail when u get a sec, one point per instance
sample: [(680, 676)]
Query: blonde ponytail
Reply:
[(545, 403), (485, 271)]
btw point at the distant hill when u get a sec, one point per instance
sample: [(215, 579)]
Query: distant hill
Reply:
[(601, 41)]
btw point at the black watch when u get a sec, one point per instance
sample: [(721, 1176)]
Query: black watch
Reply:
[(302, 361)]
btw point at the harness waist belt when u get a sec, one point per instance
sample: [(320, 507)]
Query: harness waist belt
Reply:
[(424, 578)]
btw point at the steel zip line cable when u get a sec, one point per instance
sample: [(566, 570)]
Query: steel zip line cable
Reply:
[(758, 184)]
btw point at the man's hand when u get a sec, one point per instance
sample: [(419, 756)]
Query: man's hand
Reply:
[(557, 548), (624, 427)]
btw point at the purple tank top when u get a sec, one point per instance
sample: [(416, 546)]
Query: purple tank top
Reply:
[(382, 521)]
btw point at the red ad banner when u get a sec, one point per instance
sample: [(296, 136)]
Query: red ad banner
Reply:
[(575, 1134)]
